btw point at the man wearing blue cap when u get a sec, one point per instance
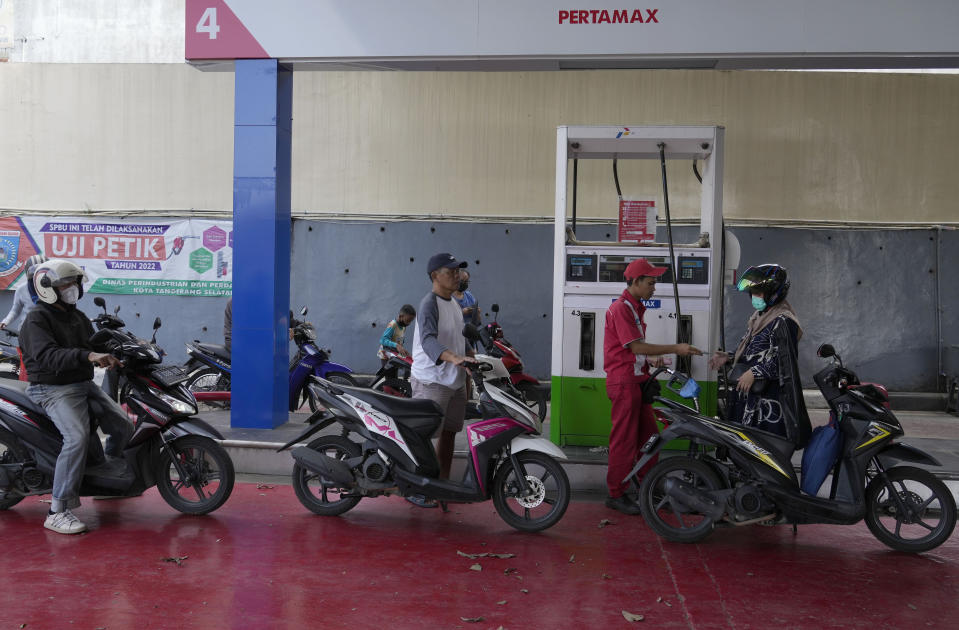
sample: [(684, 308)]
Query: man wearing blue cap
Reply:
[(439, 355)]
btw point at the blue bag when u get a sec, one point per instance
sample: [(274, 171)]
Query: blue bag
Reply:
[(820, 455)]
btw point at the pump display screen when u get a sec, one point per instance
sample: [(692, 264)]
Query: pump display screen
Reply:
[(611, 267), (693, 270), (581, 267)]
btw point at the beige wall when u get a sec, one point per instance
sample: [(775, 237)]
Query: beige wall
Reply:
[(806, 146), (115, 137), (809, 146)]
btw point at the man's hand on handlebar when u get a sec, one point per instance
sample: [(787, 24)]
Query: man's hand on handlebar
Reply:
[(104, 360)]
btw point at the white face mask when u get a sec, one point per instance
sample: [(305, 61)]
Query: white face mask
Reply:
[(70, 294)]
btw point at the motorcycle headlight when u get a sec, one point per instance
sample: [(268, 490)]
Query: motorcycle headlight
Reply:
[(179, 406)]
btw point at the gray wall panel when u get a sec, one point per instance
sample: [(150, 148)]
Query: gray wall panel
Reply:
[(871, 293)]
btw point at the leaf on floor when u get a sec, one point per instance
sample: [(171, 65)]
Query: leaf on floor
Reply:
[(607, 576), (264, 486), (474, 556), (572, 558), (502, 602), (524, 590), (472, 619), (476, 567), (630, 617), (178, 559), (603, 523), (510, 570)]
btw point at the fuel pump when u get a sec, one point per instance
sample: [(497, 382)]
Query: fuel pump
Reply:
[(588, 276)]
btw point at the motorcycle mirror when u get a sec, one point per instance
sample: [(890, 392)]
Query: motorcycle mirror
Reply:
[(304, 311), (825, 351), (116, 310), (99, 301), (494, 308), (471, 333), (156, 323)]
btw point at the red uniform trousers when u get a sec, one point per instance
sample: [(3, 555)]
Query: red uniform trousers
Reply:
[(633, 423)]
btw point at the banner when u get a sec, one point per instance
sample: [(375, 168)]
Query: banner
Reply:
[(637, 220), (174, 257), (6, 26)]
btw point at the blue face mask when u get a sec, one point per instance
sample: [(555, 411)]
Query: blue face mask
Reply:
[(759, 303)]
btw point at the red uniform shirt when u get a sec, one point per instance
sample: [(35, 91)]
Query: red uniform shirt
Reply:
[(623, 326)]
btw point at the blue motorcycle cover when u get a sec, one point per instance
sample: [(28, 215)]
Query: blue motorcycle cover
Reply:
[(820, 455)]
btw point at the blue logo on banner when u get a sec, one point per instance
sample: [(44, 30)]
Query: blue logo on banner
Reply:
[(9, 248), (651, 303)]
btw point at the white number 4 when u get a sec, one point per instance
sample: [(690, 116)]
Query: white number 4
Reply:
[(207, 23)]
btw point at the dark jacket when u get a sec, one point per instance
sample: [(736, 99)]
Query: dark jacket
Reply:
[(56, 345)]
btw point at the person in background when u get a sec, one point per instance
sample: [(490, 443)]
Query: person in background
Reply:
[(466, 300), (627, 357), (765, 366), (228, 324), (392, 338), (23, 300)]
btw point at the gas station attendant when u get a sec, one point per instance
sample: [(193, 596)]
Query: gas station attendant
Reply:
[(627, 358)]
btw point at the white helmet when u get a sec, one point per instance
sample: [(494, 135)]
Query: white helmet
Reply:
[(32, 262), (54, 274)]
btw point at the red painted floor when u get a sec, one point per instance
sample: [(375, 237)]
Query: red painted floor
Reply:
[(262, 561)]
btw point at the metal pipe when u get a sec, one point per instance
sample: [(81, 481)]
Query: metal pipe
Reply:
[(669, 235), (575, 181), (939, 369)]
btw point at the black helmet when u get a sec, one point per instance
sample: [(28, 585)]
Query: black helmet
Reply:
[(768, 279)]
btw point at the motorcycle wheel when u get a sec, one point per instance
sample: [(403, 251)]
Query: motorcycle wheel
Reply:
[(395, 387), (534, 396), (550, 492), (209, 380), (672, 521), (313, 490), (11, 452), (341, 378), (201, 478), (920, 515)]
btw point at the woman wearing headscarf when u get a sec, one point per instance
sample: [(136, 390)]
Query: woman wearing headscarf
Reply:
[(765, 366)]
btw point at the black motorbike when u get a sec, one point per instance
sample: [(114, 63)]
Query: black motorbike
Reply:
[(170, 448), (737, 475)]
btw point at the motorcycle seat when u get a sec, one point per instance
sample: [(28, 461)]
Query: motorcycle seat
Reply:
[(16, 392), (215, 349), (411, 412)]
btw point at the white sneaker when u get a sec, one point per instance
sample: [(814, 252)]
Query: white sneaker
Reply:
[(64, 523)]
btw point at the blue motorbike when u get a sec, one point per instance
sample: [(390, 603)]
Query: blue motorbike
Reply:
[(211, 369)]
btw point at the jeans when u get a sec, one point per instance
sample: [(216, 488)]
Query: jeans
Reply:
[(69, 407)]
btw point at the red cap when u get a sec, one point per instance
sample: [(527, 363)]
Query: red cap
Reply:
[(641, 267)]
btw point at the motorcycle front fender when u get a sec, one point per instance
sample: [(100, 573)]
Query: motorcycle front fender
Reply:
[(329, 366), (536, 443), (192, 426), (905, 453)]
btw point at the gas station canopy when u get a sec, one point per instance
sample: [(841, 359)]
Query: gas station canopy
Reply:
[(559, 34)]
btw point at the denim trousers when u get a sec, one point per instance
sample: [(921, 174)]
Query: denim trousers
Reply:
[(69, 407)]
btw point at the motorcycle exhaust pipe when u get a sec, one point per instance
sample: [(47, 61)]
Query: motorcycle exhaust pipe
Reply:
[(324, 465), (691, 498)]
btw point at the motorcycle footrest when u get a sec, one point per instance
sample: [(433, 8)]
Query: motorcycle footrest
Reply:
[(324, 465), (440, 489)]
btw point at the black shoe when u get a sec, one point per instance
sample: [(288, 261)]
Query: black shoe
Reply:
[(623, 504)]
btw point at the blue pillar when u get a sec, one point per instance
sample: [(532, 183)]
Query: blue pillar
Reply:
[(261, 239)]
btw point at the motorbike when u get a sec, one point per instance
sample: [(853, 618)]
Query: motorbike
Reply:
[(508, 460), (527, 388), (210, 368), (394, 377), (9, 357), (170, 447), (737, 475)]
